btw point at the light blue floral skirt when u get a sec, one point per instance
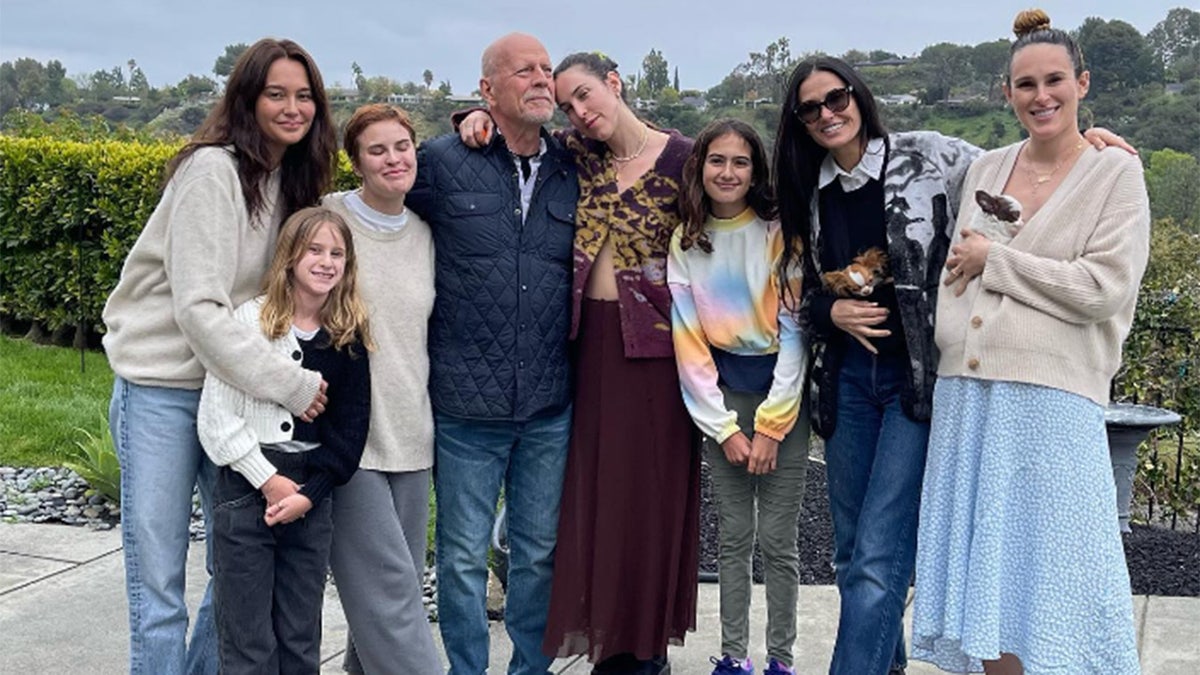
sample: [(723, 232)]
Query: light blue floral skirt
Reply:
[(1019, 549)]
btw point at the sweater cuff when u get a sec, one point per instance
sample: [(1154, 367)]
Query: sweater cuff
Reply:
[(317, 487), (297, 403), (770, 432), (254, 467), (728, 431)]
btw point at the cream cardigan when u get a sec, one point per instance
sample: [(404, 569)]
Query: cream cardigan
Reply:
[(170, 318), (1053, 306)]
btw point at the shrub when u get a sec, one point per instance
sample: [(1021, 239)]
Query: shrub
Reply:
[(94, 458)]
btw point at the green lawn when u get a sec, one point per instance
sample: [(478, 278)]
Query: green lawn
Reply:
[(44, 397)]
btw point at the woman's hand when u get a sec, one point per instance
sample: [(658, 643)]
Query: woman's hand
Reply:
[(1102, 138), (763, 453), (857, 317), (318, 403), (476, 128), (277, 488), (288, 509), (736, 449), (966, 260)]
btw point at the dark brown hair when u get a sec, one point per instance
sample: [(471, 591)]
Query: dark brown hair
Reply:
[(696, 205), (1032, 27), (595, 63), (368, 115), (307, 166)]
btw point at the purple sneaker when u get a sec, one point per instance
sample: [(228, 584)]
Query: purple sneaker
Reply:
[(777, 668), (731, 666)]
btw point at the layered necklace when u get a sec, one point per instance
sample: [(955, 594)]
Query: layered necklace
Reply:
[(636, 153), (1037, 178)]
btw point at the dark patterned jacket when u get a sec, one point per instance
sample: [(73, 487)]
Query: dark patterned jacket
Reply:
[(922, 184), (498, 332)]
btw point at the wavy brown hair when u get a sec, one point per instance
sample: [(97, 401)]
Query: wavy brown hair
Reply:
[(306, 170), (344, 314), (696, 205)]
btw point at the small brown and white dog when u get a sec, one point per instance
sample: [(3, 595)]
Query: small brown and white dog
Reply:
[(860, 278), (998, 218)]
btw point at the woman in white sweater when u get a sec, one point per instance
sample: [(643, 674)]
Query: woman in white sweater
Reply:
[(265, 150), (380, 515), (1020, 563)]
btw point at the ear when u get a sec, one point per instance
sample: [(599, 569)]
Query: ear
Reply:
[(983, 199), (486, 93), (613, 80), (1084, 83)]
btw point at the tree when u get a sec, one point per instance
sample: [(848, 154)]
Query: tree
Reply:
[(445, 88), (944, 66), (137, 79), (1176, 37), (877, 55), (427, 77), (1173, 181), (675, 84), (655, 74), (990, 62), (855, 57), (360, 80), (1117, 55), (195, 86), (23, 84), (225, 62)]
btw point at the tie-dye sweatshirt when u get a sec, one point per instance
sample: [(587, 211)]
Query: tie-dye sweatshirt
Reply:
[(729, 300)]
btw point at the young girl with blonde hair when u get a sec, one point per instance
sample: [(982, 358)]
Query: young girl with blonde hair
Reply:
[(272, 522)]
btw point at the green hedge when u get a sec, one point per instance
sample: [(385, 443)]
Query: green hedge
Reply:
[(69, 213)]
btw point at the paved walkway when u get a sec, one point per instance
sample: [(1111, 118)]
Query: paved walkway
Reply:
[(62, 610)]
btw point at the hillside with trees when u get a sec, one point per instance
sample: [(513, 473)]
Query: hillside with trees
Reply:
[(1144, 87)]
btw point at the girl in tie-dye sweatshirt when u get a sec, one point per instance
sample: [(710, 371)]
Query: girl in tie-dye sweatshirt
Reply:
[(742, 359)]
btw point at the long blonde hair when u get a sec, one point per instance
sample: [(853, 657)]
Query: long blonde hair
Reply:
[(344, 314)]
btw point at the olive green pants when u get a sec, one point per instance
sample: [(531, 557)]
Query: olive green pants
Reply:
[(767, 505)]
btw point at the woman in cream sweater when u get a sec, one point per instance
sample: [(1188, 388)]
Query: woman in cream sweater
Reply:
[(1020, 563)]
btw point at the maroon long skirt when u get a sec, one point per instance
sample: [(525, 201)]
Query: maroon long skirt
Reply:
[(628, 531)]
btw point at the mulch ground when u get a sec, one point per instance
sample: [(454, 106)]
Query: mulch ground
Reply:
[(1161, 561)]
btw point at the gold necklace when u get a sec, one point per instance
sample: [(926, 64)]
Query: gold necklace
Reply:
[(1036, 180), (636, 153)]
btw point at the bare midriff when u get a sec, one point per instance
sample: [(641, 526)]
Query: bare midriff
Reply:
[(602, 279)]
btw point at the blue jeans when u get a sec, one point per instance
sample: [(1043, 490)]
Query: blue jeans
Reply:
[(154, 430), (473, 459), (875, 461)]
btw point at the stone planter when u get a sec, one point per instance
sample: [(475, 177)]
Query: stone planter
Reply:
[(1128, 425)]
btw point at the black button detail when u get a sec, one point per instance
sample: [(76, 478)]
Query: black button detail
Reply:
[(296, 355), (286, 426)]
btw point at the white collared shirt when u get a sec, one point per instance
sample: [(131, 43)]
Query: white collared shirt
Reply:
[(527, 184), (870, 166)]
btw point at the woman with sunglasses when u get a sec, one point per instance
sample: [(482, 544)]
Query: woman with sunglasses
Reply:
[(845, 187)]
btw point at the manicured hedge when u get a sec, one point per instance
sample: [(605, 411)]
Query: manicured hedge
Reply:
[(69, 213)]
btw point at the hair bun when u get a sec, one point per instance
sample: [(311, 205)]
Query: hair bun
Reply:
[(1030, 21)]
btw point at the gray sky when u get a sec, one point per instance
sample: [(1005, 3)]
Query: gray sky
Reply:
[(400, 39)]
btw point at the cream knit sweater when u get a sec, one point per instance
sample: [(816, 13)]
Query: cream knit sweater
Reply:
[(395, 278), (1053, 306), (170, 317)]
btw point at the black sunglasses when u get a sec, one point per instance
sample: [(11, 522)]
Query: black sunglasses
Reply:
[(836, 100)]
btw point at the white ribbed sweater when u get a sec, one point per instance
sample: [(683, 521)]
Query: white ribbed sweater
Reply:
[(1053, 306)]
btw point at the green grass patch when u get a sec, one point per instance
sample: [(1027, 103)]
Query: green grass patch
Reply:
[(43, 399)]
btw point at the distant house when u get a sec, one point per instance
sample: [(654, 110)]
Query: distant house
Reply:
[(897, 99), (404, 99), (342, 94), (899, 61), (465, 99), (697, 102), (754, 103), (128, 101), (640, 103), (1173, 88)]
